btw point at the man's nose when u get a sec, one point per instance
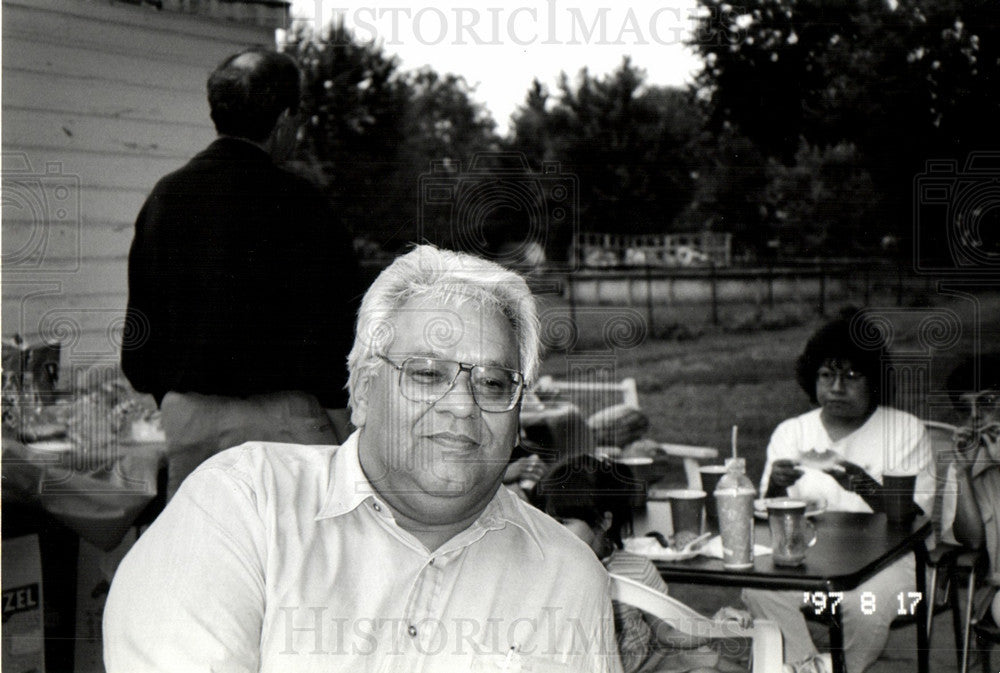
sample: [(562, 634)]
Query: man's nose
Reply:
[(459, 399)]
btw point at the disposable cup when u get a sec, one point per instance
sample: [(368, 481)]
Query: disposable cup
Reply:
[(686, 510), (710, 475), (897, 498), (637, 470)]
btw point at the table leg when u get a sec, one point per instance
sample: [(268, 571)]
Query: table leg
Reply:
[(926, 602), (837, 640)]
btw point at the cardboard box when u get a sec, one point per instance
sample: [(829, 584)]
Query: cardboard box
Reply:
[(23, 639), (41, 358)]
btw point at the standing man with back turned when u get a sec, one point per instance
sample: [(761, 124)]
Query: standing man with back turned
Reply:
[(231, 259)]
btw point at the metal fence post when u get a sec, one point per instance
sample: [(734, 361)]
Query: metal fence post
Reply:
[(649, 300), (571, 297), (715, 298), (770, 284), (822, 289)]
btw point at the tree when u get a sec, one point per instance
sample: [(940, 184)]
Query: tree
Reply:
[(372, 130), (625, 141), (821, 205), (903, 82), (355, 102), (729, 195)]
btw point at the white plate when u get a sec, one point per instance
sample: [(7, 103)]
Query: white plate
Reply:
[(813, 507), (651, 549), (52, 446)]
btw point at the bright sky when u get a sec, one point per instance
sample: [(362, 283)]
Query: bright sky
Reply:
[(501, 45)]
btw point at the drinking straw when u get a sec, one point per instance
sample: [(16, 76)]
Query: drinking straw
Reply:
[(736, 430)]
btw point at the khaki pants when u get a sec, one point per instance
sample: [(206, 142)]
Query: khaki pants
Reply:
[(199, 426)]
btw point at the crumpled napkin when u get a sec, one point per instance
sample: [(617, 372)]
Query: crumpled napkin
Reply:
[(650, 548)]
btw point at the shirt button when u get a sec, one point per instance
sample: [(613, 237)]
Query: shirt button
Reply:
[(431, 561), (377, 507), (412, 630)]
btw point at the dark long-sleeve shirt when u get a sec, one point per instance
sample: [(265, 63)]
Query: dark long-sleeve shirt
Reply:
[(241, 281)]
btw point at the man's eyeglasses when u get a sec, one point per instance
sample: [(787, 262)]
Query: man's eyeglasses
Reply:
[(495, 389)]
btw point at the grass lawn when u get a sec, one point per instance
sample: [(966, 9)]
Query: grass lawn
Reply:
[(697, 384)]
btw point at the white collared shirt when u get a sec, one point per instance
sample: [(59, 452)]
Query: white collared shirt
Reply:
[(280, 557)]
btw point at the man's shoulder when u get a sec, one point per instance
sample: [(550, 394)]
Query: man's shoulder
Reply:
[(562, 547), (273, 468)]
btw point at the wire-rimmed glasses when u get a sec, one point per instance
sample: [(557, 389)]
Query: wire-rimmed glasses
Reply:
[(494, 389)]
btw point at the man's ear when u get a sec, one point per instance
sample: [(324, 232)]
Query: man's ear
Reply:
[(359, 401)]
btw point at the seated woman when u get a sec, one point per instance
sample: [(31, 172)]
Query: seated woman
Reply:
[(971, 505), (839, 452), (590, 497)]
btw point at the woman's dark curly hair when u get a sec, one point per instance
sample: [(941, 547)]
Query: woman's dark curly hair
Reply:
[(851, 337), (584, 487)]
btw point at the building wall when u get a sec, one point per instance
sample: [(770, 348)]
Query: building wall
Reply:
[(100, 99)]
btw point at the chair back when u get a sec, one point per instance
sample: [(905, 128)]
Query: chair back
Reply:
[(766, 652), (591, 395), (941, 438), (588, 394)]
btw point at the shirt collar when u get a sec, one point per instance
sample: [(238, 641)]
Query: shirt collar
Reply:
[(349, 487), (988, 452)]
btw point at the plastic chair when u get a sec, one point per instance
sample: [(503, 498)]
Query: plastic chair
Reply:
[(942, 555), (953, 560), (766, 652), (976, 610), (591, 396)]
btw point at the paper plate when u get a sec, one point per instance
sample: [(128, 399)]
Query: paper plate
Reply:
[(651, 549), (52, 446)]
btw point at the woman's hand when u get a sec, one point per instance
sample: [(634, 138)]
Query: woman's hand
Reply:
[(852, 477), (965, 446), (784, 473)]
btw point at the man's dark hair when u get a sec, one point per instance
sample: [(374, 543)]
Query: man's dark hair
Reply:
[(249, 91), (584, 487), (851, 337)]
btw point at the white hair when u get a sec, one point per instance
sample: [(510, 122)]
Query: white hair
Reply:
[(427, 272)]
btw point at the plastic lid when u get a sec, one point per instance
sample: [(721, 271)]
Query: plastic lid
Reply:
[(736, 465)]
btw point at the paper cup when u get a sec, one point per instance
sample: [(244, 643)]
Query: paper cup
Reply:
[(710, 475), (686, 510), (897, 498)]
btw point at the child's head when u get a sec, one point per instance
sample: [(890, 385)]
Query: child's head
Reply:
[(591, 497), (974, 387)]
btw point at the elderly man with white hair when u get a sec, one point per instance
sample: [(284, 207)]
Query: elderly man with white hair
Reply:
[(396, 551)]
